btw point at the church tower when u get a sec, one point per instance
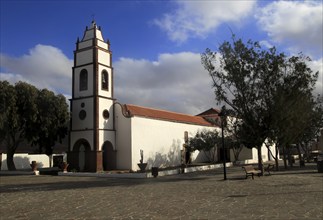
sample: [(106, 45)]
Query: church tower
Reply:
[(92, 129)]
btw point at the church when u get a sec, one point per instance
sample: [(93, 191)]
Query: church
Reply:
[(108, 135)]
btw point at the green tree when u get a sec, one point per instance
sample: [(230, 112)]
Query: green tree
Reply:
[(51, 122), (246, 78), (18, 113), (293, 109), (206, 141), (29, 115)]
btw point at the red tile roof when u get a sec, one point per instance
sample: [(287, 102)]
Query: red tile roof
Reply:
[(133, 110)]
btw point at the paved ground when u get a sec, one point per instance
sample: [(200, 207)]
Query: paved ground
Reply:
[(293, 194)]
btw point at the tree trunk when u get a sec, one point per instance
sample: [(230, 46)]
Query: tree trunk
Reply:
[(301, 159), (284, 157), (289, 156), (276, 158), (260, 165), (10, 162)]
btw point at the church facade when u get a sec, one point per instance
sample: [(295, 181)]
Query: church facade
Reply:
[(108, 135)]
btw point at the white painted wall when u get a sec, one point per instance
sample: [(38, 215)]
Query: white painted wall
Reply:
[(106, 136), (161, 141), (123, 139), (84, 57), (105, 104), (23, 161), (87, 123), (104, 57), (99, 35), (105, 92), (87, 135), (85, 44), (89, 91), (102, 44), (248, 156)]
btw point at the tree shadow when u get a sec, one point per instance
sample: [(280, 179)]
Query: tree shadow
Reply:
[(168, 159), (21, 163)]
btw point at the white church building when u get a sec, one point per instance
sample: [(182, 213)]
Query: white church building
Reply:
[(107, 135)]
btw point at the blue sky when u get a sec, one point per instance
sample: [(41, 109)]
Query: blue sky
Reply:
[(156, 45)]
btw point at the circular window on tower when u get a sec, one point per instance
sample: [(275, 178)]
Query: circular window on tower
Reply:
[(82, 104), (82, 114), (106, 114)]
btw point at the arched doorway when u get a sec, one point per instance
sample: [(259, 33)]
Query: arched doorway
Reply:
[(108, 156), (82, 149)]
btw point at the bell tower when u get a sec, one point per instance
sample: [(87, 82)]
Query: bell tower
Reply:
[(92, 130)]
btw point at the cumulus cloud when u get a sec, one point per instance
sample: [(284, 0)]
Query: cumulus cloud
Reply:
[(175, 82), (296, 24), (199, 18), (44, 67)]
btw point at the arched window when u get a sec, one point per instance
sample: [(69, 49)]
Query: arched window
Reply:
[(105, 80), (83, 80)]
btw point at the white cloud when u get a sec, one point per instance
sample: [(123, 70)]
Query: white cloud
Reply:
[(317, 65), (44, 67), (199, 18), (296, 24), (175, 82), (265, 44)]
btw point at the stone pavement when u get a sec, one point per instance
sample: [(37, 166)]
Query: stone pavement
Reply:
[(292, 194)]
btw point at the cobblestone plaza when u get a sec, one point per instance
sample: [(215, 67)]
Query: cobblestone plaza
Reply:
[(292, 194)]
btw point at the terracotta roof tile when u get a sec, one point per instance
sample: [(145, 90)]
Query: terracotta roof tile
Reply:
[(134, 110)]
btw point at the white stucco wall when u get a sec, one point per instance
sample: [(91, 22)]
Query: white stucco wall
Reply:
[(105, 104), (84, 57), (87, 135), (85, 44), (104, 57), (248, 156), (102, 44), (106, 136), (86, 123), (161, 141), (123, 139), (89, 91), (106, 93), (23, 160)]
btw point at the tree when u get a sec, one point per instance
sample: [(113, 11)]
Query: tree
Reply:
[(234, 138), (206, 141), (246, 78), (293, 108), (32, 116), (51, 123), (18, 113)]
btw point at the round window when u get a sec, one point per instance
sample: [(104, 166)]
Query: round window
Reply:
[(106, 114), (82, 114), (82, 104)]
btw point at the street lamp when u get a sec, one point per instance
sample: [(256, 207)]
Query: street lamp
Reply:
[(222, 115)]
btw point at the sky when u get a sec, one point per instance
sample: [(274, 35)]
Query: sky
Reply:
[(156, 45)]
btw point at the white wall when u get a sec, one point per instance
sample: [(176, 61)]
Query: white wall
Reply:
[(105, 104), (161, 141), (123, 138), (87, 122), (106, 93), (87, 135), (248, 156), (84, 57), (23, 161), (89, 91)]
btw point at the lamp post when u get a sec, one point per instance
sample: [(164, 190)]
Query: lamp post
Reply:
[(222, 115)]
